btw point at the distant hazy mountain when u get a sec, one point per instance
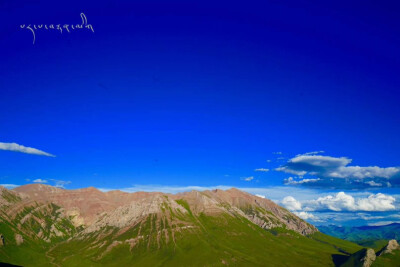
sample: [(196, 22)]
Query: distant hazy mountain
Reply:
[(363, 235), (42, 225)]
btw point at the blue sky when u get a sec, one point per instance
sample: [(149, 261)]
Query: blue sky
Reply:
[(199, 94)]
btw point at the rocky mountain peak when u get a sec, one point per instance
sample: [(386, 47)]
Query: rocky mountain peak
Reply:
[(38, 188)]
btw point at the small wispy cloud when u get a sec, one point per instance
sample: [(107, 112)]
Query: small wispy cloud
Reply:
[(248, 179), (292, 181), (23, 149), (306, 215), (41, 181), (311, 153), (368, 217), (373, 183), (261, 170), (382, 223), (60, 183)]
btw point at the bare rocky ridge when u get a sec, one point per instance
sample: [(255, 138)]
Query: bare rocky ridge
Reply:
[(94, 209), (83, 204), (131, 218), (133, 212), (262, 212)]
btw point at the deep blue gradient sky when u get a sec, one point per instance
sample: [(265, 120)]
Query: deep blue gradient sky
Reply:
[(196, 93)]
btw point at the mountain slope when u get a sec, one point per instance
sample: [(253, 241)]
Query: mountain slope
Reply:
[(388, 256), (28, 228), (88, 227)]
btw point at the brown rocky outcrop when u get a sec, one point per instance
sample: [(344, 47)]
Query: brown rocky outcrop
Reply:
[(19, 239), (389, 248), (368, 258)]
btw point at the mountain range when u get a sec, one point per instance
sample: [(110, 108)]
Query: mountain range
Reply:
[(373, 236), (41, 225)]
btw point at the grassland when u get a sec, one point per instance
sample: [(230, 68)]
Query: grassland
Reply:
[(212, 241)]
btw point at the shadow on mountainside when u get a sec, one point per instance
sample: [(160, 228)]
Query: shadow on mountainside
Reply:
[(7, 264), (339, 259)]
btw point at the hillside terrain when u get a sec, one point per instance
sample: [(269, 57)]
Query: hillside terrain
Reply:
[(388, 256), (42, 225)]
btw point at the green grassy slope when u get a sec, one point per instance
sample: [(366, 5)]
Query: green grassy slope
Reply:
[(388, 260), (30, 223), (168, 238), (212, 241)]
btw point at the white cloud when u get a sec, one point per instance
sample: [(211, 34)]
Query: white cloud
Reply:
[(364, 172), (338, 202), (335, 217), (373, 183), (377, 202), (291, 203), (344, 202), (368, 217), (341, 207), (313, 164), (306, 215), (277, 153), (40, 181), (312, 153), (262, 196), (292, 181), (23, 149), (382, 223), (60, 183), (335, 167), (261, 170), (248, 179)]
